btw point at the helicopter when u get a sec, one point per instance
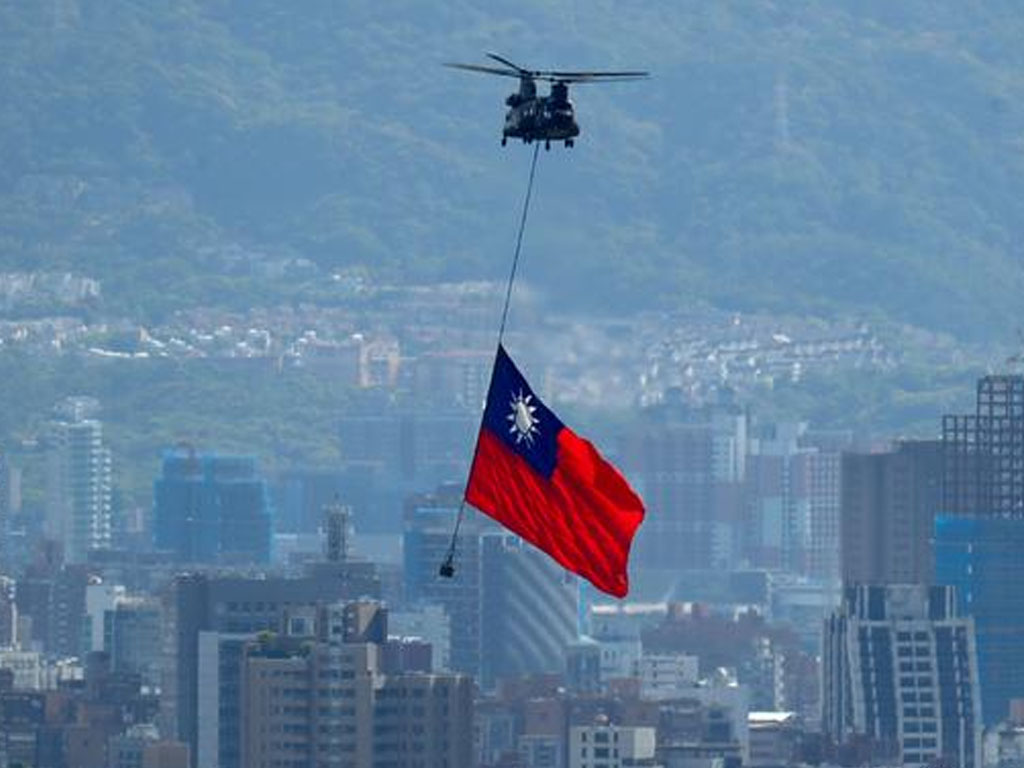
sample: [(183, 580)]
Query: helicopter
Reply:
[(531, 117)]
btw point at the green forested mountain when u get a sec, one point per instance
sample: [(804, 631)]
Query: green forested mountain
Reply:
[(806, 155)]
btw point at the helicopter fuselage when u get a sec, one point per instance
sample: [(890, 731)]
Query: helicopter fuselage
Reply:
[(540, 118)]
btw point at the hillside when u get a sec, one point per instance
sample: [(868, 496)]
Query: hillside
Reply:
[(811, 156)]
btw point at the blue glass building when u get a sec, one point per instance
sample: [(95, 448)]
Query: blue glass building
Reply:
[(982, 558), (211, 509)]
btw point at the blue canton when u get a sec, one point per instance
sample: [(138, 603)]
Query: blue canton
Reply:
[(534, 436)]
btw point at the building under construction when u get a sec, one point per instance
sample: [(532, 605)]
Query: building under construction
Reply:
[(983, 453), (980, 535)]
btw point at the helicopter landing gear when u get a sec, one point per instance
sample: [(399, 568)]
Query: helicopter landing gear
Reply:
[(504, 140), (569, 143), (547, 144)]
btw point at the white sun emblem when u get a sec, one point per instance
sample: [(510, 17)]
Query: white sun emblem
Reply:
[(524, 422)]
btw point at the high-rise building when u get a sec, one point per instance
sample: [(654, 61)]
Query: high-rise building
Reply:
[(777, 533), (311, 701), (505, 596), (336, 526), (791, 499), (100, 598), (888, 507), (5, 513), (825, 492), (32, 599), (429, 522), (979, 537), (211, 508), (133, 636), (219, 704), (690, 470), (306, 704), (80, 487), (529, 610), (984, 452), (16, 530), (440, 732), (199, 604), (900, 670), (8, 613), (66, 620), (981, 557)]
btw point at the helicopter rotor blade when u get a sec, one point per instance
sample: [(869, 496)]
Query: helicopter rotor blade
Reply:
[(551, 76), (487, 70), (592, 77), (507, 63), (601, 75), (594, 80)]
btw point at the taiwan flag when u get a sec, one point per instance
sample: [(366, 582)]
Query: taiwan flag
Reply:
[(533, 475)]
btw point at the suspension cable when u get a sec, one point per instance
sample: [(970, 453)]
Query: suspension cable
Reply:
[(519, 243), (447, 569)]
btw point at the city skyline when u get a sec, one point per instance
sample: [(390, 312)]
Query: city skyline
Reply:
[(264, 270)]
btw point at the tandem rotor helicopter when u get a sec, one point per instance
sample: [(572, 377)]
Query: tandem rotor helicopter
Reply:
[(543, 118)]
